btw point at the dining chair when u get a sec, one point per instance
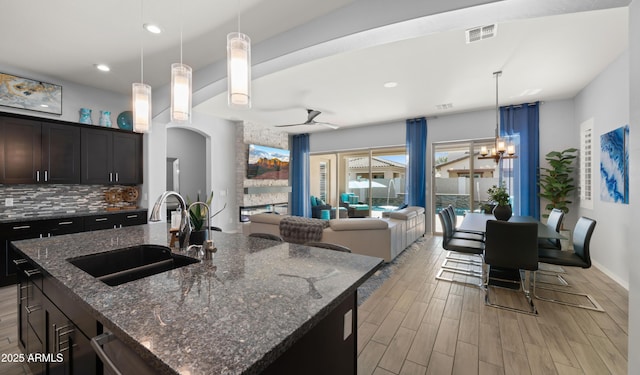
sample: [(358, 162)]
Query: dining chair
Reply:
[(554, 221), (450, 214), (268, 236), (510, 247), (467, 247), (579, 257), (329, 246)]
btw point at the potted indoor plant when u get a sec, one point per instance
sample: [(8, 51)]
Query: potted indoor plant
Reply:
[(499, 196), (198, 219), (556, 182)]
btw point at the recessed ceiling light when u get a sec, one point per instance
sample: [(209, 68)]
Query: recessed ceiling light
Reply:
[(390, 84), (103, 67), (153, 29), (44, 105)]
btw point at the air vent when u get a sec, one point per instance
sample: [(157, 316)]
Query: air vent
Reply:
[(441, 107), (482, 32)]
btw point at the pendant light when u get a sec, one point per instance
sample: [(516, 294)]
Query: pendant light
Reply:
[(239, 69), (180, 88), (141, 93), (501, 149)]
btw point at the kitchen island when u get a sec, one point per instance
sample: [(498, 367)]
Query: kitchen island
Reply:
[(244, 312)]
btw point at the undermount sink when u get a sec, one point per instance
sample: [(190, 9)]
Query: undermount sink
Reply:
[(132, 263)]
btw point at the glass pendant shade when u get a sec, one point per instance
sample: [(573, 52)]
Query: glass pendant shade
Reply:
[(239, 70), (141, 107), (180, 93)]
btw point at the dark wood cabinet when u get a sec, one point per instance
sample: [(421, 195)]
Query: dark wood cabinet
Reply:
[(55, 227), (35, 152), (46, 326), (111, 157)]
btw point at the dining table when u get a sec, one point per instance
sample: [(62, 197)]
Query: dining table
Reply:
[(477, 222)]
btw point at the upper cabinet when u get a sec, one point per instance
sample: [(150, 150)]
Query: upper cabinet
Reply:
[(110, 157), (35, 152)]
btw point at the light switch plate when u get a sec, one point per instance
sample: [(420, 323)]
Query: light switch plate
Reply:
[(348, 324), (8, 202)]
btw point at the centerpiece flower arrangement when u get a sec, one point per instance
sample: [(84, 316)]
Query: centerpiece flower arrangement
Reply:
[(500, 197)]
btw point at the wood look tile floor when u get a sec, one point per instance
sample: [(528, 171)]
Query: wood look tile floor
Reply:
[(416, 325)]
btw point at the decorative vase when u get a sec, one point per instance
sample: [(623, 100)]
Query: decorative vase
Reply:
[(198, 237), (105, 118), (85, 116), (502, 212)]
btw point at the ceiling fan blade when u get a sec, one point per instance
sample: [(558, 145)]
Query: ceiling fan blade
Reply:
[(284, 126), (328, 125), (311, 114)]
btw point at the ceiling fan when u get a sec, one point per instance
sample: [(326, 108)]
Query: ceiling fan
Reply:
[(311, 115)]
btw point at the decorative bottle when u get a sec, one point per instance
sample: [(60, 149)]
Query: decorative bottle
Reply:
[(85, 116), (105, 118)]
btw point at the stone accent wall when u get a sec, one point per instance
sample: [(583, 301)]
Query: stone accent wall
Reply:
[(46, 200), (247, 133)]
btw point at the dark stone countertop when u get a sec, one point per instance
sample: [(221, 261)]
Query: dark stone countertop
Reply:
[(234, 314), (62, 215)]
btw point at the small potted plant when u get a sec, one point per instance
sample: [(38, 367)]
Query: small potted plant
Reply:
[(198, 218), (499, 196)]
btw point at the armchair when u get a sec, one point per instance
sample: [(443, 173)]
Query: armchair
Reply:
[(317, 205)]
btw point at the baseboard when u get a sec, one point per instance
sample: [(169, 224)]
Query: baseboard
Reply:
[(611, 275)]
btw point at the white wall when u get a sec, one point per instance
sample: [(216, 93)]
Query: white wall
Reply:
[(74, 97), (558, 132), (219, 170), (606, 101), (633, 259), (191, 149)]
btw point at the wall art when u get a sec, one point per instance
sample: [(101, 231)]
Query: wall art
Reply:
[(614, 166), (24, 93)]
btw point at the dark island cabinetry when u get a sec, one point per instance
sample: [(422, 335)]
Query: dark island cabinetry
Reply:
[(47, 326)]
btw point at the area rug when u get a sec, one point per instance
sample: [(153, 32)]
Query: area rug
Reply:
[(387, 270)]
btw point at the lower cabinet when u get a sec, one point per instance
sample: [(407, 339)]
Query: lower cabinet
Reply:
[(46, 333), (71, 349)]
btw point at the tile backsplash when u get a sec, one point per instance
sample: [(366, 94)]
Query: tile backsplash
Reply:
[(47, 200)]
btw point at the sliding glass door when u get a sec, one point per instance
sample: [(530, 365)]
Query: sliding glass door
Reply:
[(369, 182), (461, 177)]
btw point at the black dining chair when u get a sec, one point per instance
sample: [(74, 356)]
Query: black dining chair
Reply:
[(579, 257), (268, 236), (450, 214), (509, 248), (329, 246), (554, 221), (467, 247)]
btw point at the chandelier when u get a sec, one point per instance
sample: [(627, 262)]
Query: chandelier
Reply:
[(501, 149)]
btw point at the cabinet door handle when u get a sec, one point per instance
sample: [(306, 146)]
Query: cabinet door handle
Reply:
[(18, 262), (110, 177), (57, 338), (65, 222), (46, 177), (30, 273), (116, 176), (132, 216), (22, 227), (38, 176), (101, 219), (96, 344), (31, 309)]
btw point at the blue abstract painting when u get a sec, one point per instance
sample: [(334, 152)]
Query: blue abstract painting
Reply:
[(614, 166)]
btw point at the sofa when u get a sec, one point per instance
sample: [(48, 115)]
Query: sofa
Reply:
[(384, 238), (318, 205)]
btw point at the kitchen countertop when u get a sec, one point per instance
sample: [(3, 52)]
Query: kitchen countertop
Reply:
[(234, 314), (62, 215)]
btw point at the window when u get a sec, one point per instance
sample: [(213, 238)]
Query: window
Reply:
[(323, 181), (586, 152)]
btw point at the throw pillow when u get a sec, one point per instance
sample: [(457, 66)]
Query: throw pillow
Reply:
[(314, 202)]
